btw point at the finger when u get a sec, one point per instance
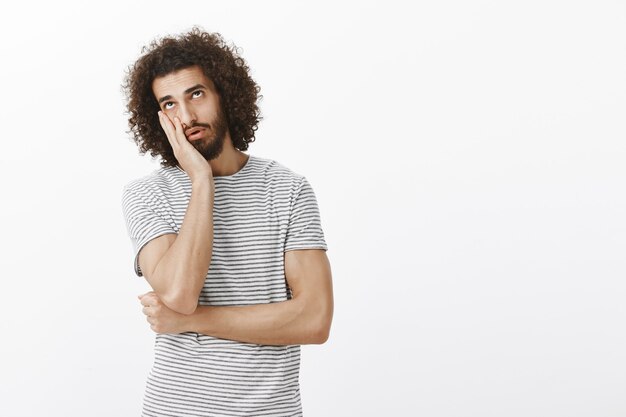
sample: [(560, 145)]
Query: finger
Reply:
[(179, 130), (141, 297), (169, 129), (172, 123), (151, 301), (147, 301)]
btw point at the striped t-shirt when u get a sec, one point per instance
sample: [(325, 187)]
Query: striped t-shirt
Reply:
[(260, 212)]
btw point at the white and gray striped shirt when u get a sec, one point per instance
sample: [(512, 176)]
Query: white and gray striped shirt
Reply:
[(260, 212)]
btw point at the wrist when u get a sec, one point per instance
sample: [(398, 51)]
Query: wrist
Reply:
[(202, 182), (188, 322)]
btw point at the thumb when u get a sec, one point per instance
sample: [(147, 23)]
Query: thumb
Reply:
[(143, 295)]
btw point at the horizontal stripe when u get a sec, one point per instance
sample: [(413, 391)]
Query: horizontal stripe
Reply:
[(259, 213)]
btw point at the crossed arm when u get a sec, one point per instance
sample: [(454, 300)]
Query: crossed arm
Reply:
[(304, 319)]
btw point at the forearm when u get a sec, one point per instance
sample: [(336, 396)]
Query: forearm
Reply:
[(292, 322), (181, 272)]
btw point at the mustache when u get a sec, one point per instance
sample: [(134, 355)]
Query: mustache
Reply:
[(196, 124)]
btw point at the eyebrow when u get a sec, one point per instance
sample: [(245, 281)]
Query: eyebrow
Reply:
[(187, 91)]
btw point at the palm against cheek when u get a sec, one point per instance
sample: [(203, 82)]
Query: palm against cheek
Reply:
[(187, 155), (169, 126)]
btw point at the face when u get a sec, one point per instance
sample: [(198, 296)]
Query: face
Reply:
[(192, 97)]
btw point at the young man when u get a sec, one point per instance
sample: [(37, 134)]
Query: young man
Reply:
[(230, 243)]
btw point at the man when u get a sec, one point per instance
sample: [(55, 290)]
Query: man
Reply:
[(230, 243)]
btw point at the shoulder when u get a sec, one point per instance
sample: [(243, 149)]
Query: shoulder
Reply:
[(277, 173), (154, 183)]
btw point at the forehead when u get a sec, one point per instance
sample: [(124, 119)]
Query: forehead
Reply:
[(175, 83)]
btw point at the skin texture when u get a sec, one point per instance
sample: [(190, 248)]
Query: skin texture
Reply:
[(220, 60), (304, 319), (189, 96)]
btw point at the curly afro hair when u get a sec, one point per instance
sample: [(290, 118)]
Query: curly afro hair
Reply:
[(220, 62)]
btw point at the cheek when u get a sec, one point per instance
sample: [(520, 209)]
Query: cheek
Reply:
[(171, 113), (208, 107)]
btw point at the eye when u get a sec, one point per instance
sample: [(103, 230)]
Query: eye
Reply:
[(198, 92), (165, 105)]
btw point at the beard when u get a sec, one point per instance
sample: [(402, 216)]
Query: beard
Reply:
[(211, 147)]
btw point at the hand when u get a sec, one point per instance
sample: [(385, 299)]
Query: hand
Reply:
[(190, 160), (161, 318)]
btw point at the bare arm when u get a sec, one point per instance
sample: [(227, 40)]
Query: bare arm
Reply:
[(176, 266), (305, 319)]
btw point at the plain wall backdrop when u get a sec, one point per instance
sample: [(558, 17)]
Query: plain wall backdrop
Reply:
[(468, 160)]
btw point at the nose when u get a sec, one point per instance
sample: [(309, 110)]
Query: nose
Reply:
[(186, 115)]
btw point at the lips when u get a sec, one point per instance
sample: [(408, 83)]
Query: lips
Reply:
[(195, 132)]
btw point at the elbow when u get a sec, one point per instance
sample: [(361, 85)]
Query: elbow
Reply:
[(321, 329), (181, 303), (315, 318), (188, 309), (321, 335), (177, 296), (183, 298)]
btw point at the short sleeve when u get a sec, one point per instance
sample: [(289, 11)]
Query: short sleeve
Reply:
[(142, 223), (305, 227)]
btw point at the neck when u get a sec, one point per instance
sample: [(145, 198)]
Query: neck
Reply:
[(230, 161)]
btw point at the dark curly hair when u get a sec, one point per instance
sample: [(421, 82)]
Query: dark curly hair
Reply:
[(220, 62)]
